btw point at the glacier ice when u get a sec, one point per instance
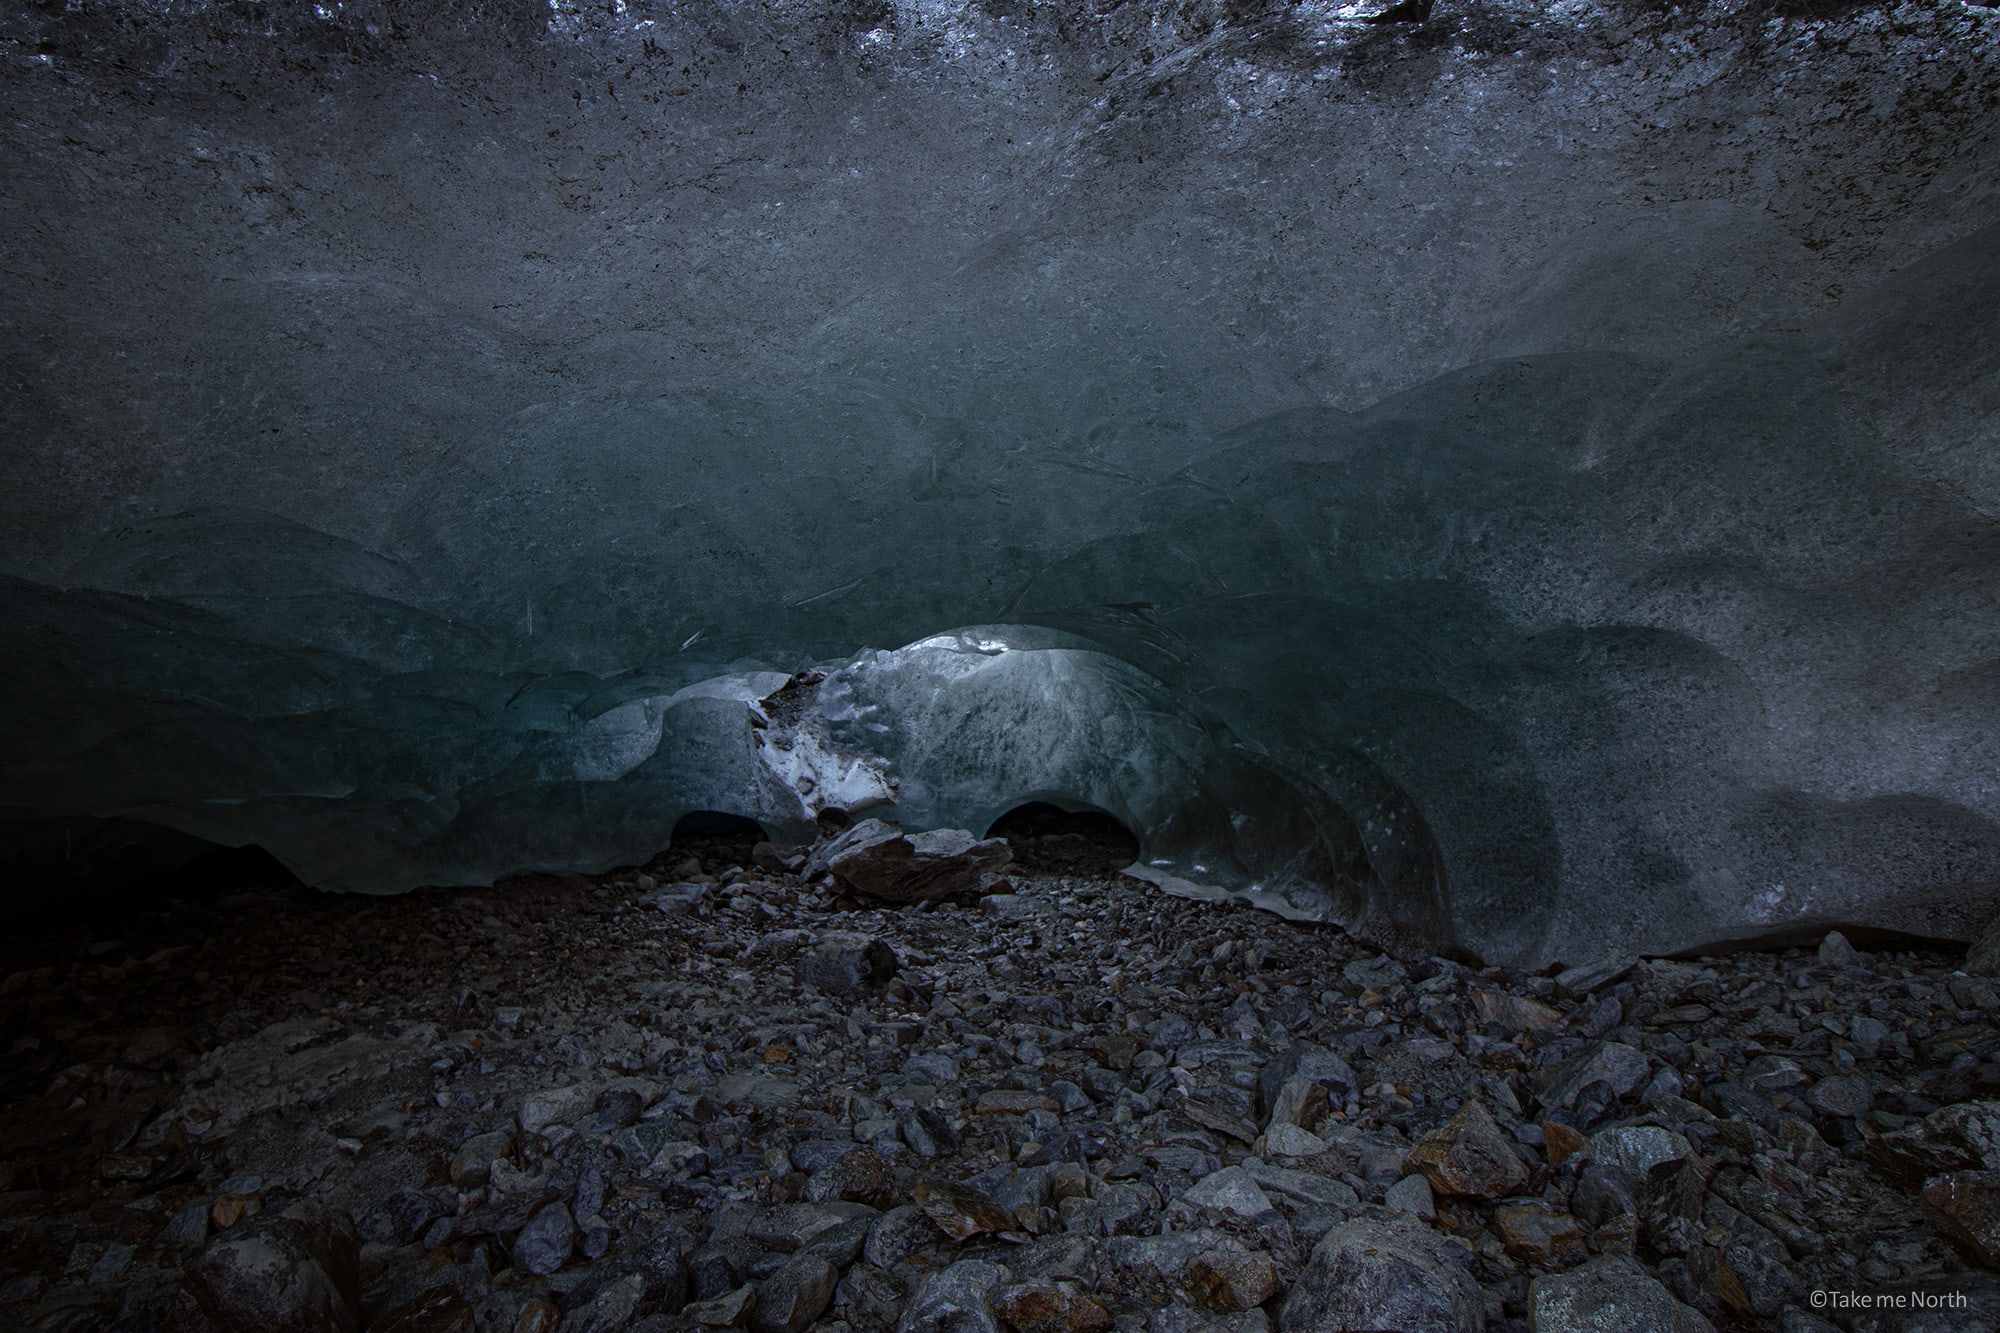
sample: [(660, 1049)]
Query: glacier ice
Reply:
[(1525, 480)]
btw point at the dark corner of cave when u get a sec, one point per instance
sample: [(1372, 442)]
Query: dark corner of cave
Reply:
[(970, 666)]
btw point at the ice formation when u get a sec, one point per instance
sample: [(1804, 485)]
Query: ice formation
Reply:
[(1525, 479)]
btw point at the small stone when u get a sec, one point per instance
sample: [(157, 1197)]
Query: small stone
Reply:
[(316, 1250), (1964, 1208), (110, 1265), (1230, 1190), (1637, 1148), (926, 1131), (1835, 949), (1375, 1275), (555, 1106), (1469, 1157), (1009, 1101), (400, 1218), (472, 1165), (546, 1242), (1964, 1137), (1228, 1280), (1515, 1013), (960, 1211), (1537, 1234), (790, 1299), (843, 962), (1560, 1142), (1843, 1096), (124, 1166), (1412, 1195), (1608, 1295), (955, 1300), (857, 1176), (1983, 958), (896, 1235), (1774, 1073), (438, 1310), (539, 1315), (189, 1226), (729, 1310), (878, 860), (1619, 1070), (1287, 1140), (1868, 1034), (1299, 1102), (1052, 1307), (1593, 975)]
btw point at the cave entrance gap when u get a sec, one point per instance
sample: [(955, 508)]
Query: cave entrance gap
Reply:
[(1049, 838)]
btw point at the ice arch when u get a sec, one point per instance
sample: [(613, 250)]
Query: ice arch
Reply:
[(1525, 479)]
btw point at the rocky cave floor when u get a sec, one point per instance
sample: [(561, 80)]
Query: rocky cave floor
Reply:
[(699, 1093)]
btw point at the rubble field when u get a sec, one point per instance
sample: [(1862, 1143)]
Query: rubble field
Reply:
[(723, 1089)]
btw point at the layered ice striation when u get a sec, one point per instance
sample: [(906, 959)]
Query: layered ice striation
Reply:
[(1523, 480)]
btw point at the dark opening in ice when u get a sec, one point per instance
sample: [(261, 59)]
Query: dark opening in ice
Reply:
[(1048, 837)]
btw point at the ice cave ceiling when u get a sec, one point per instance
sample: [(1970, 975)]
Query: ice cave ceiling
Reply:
[(1525, 478)]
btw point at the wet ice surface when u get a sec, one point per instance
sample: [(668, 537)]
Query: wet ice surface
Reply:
[(1424, 475), (673, 1084)]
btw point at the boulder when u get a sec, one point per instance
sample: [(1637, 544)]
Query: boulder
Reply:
[(1611, 1294), (298, 1271), (878, 860), (1377, 1275)]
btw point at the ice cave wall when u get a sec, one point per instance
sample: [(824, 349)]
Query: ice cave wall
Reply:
[(1525, 478)]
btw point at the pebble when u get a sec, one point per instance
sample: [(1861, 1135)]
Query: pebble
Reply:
[(790, 1299), (1470, 1157), (1366, 1274), (956, 1300), (546, 1242), (1609, 1295)]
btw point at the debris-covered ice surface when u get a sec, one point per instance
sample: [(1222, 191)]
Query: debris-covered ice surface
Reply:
[(1520, 478)]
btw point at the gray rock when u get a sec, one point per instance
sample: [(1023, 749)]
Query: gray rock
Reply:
[(1383, 1275), (1619, 1069), (1637, 1148), (1965, 1137), (727, 1310), (1844, 1096), (610, 1310), (1377, 974), (1594, 975), (556, 1106), (1835, 949), (1983, 958), (1868, 1034), (399, 1219), (189, 1226), (1608, 1295), (1303, 1186), (956, 1300), (1948, 1303), (1147, 1270), (842, 962), (896, 1235), (547, 1241), (1230, 1190), (298, 1270), (472, 1166), (1180, 1319), (1412, 1195), (877, 859), (789, 1300)]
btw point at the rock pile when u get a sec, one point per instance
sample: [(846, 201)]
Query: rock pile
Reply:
[(718, 1094)]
